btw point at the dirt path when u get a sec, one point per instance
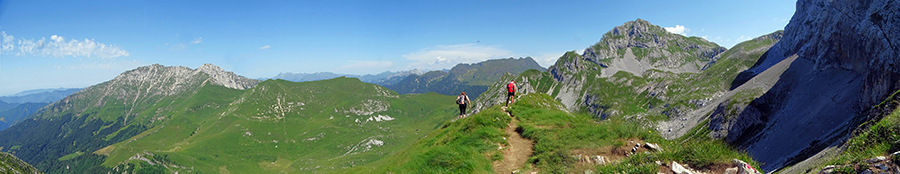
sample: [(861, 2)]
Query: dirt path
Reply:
[(518, 151)]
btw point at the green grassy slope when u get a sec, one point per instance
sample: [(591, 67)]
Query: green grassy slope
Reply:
[(279, 126), (466, 145), (470, 145)]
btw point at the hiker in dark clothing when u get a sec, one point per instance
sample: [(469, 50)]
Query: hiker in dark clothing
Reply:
[(463, 102), (510, 92)]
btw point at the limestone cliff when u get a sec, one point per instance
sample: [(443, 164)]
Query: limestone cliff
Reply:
[(847, 60)]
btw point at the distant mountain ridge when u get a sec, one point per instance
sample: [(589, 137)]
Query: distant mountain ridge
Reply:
[(39, 95), (384, 78), (18, 113), (473, 79)]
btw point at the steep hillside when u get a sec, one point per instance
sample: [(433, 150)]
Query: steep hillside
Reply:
[(19, 113), (470, 78), (109, 112), (582, 84), (12, 165), (674, 104), (846, 62), (279, 126)]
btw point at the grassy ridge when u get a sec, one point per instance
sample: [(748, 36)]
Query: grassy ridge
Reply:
[(466, 145), (470, 145), (557, 133)]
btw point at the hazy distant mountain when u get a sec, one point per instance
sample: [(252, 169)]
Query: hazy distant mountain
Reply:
[(18, 113), (39, 95), (384, 78)]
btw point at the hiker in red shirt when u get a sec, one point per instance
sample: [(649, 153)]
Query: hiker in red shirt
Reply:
[(511, 92)]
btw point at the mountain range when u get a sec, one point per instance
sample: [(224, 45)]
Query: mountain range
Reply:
[(473, 79), (19, 106), (642, 99), (384, 78)]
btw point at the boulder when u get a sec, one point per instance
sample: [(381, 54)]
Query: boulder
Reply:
[(599, 159), (875, 160), (679, 169), (653, 147), (743, 167), (828, 169)]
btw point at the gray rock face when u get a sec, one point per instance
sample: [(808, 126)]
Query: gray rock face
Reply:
[(847, 62), (227, 79), (659, 48), (634, 47)]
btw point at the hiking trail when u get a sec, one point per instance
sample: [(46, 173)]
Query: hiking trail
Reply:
[(516, 154)]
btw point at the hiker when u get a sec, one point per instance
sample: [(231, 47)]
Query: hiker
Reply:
[(463, 101), (511, 92)]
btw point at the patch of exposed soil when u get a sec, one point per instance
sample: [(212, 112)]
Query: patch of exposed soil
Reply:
[(516, 154)]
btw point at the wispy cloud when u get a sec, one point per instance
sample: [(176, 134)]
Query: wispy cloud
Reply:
[(447, 56), (743, 38), (265, 47), (548, 59), (111, 64), (678, 29), (57, 46), (197, 40)]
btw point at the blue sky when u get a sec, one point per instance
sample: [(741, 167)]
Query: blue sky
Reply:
[(52, 44)]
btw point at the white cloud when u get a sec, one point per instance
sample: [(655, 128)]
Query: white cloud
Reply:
[(447, 56), (547, 60), (58, 47), (367, 65), (112, 64), (265, 47), (7, 42), (678, 29), (197, 40)]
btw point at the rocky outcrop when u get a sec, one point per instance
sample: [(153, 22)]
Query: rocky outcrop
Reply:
[(11, 164), (847, 61), (227, 79), (496, 93)]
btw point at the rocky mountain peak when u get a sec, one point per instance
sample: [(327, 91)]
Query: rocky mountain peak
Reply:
[(637, 46), (219, 76), (148, 84)]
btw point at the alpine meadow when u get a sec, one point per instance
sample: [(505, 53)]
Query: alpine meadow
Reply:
[(818, 93)]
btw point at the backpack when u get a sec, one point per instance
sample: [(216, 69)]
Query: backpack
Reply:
[(510, 87), (461, 99)]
